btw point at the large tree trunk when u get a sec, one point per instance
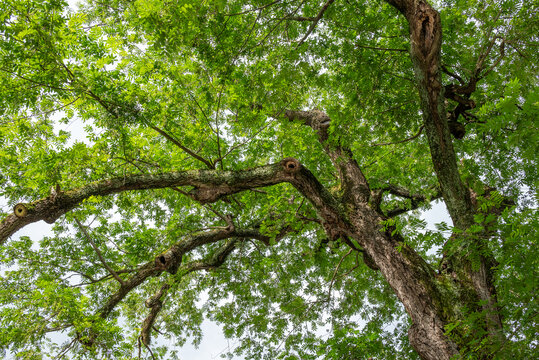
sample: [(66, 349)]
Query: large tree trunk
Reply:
[(425, 47), (412, 279)]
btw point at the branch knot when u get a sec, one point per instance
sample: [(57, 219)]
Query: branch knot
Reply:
[(20, 210), (291, 165)]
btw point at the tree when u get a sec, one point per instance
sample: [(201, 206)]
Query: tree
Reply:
[(286, 148)]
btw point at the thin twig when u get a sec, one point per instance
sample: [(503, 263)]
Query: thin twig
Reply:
[(300, 18), (255, 9), (453, 75), (497, 62), (178, 144), (181, 191), (225, 218), (64, 351), (402, 141), (379, 48), (335, 272), (315, 22), (109, 269)]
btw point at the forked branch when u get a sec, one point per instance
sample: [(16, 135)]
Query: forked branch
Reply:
[(315, 22)]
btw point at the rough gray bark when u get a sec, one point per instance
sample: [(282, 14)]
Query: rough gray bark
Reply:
[(412, 279), (425, 46), (208, 186)]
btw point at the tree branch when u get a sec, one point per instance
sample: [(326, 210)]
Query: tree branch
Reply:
[(155, 304), (300, 18), (315, 22), (99, 255), (335, 272), (453, 75), (416, 199), (426, 39), (355, 185), (209, 186), (379, 48), (171, 259), (404, 140), (178, 144)]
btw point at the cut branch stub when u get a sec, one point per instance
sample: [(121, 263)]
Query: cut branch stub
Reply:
[(20, 210), (291, 165), (168, 261)]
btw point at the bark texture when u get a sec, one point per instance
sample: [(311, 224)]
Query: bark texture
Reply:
[(425, 46), (412, 279), (208, 186), (353, 214)]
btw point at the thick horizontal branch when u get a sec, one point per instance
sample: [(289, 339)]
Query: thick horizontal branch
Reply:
[(208, 186)]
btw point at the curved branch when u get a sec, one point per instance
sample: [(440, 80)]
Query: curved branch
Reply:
[(404, 140), (416, 199), (155, 303), (315, 21), (209, 186), (171, 259), (214, 261)]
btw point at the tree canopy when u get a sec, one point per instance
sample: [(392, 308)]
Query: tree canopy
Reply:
[(264, 164)]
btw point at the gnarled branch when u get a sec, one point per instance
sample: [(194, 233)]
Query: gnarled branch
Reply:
[(355, 185), (208, 186)]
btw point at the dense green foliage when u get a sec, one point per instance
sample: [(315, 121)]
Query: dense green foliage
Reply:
[(168, 86)]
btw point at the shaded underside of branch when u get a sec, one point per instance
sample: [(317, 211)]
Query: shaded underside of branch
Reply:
[(208, 186)]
